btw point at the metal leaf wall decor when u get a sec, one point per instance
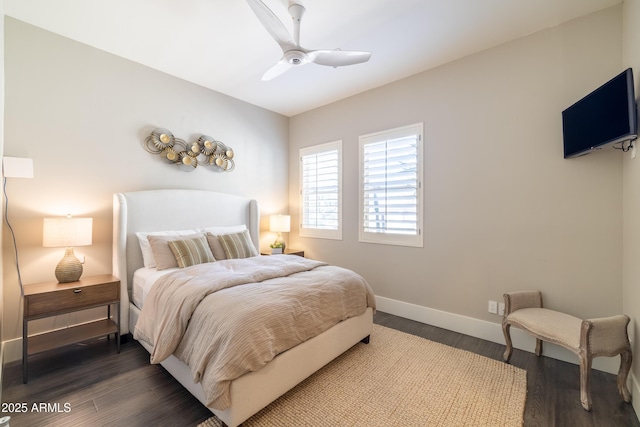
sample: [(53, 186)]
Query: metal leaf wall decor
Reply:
[(203, 151)]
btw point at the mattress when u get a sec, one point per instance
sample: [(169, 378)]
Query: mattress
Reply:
[(143, 280)]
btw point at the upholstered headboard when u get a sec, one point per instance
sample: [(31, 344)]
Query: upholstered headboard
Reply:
[(160, 210)]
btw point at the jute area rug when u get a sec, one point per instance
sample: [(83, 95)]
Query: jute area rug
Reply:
[(401, 380)]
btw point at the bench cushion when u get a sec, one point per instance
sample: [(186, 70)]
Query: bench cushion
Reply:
[(551, 326)]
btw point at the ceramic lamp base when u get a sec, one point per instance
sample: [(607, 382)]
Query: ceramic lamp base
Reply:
[(69, 269)]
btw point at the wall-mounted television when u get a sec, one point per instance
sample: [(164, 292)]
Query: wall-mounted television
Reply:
[(607, 115)]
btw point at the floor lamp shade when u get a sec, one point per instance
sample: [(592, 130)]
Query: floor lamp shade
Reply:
[(67, 233)]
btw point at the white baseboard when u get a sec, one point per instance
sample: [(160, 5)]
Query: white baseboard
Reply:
[(635, 393), (489, 331), (454, 322), (12, 350)]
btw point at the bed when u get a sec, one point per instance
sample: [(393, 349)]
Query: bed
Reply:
[(154, 210)]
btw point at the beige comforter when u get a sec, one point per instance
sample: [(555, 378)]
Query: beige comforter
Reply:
[(227, 318)]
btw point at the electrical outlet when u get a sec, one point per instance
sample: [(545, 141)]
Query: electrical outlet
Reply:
[(501, 308), (493, 307)]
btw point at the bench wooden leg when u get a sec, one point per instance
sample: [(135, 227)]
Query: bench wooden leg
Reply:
[(538, 347), (585, 381), (507, 338), (625, 366), (506, 330)]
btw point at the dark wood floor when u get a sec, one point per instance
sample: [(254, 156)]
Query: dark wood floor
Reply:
[(103, 388)]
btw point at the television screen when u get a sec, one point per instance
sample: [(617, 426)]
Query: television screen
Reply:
[(605, 116)]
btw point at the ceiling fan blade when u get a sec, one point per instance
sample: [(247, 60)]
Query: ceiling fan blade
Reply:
[(293, 54), (272, 24), (281, 67), (338, 58)]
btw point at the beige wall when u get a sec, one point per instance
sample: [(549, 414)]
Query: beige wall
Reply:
[(81, 115), (503, 209), (631, 197), (2, 202)]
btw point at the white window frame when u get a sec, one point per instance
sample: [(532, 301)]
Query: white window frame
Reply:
[(390, 238), (321, 233)]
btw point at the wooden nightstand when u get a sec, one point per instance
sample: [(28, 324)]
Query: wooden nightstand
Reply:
[(287, 252), (52, 298)]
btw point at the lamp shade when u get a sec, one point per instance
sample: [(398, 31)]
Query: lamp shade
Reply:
[(17, 167), (66, 232), (280, 223)]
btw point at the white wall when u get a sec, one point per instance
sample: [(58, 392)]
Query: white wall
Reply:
[(631, 197), (81, 114), (503, 210)]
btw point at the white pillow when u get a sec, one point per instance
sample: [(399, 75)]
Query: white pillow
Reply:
[(145, 246), (216, 231)]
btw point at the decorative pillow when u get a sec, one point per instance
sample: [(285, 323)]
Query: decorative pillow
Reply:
[(145, 246), (214, 243), (191, 251), (238, 245), (162, 253), (216, 247)]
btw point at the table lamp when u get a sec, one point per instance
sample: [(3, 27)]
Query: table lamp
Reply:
[(279, 224), (67, 233)]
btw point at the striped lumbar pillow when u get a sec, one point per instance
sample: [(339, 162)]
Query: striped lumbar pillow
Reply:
[(191, 251), (238, 245)]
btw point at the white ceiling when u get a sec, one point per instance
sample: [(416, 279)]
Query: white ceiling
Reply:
[(221, 45)]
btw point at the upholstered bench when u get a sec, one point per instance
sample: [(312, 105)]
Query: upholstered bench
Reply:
[(590, 338)]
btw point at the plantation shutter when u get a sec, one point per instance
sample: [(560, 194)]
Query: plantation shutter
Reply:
[(390, 186), (320, 191)]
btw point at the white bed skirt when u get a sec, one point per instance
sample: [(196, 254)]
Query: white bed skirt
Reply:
[(255, 390)]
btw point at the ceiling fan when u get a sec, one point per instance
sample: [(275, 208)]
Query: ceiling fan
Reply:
[(294, 54)]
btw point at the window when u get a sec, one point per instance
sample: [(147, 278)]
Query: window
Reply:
[(321, 191), (390, 186)]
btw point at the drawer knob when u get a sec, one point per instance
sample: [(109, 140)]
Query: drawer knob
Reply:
[(77, 291)]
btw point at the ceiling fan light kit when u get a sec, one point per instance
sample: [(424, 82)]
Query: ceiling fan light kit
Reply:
[(293, 54), (296, 57)]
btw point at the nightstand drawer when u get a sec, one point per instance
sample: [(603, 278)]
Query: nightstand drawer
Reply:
[(63, 300)]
